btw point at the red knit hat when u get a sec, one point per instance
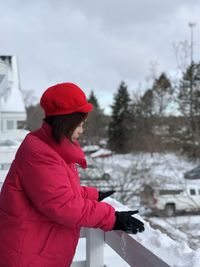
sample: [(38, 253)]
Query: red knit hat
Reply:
[(64, 98)]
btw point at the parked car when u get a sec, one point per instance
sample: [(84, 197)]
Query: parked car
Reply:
[(171, 198), (93, 172), (90, 149), (193, 174)]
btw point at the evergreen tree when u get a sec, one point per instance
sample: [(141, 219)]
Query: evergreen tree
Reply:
[(147, 111), (190, 106), (93, 99), (189, 90), (153, 105), (147, 103), (162, 92), (97, 123), (162, 85), (120, 126)]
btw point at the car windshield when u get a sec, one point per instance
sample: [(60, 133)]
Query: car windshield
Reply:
[(170, 191)]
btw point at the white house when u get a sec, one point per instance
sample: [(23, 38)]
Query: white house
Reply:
[(12, 113), (12, 108)]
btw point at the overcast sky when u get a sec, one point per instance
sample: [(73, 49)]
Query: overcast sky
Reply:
[(95, 44)]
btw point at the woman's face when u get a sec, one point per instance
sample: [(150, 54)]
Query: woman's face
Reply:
[(77, 132)]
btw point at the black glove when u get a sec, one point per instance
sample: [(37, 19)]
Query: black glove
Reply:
[(104, 194), (125, 222)]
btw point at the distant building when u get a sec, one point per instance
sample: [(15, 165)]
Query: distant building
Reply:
[(12, 108)]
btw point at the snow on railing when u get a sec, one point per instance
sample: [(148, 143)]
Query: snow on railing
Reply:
[(123, 244), (151, 248)]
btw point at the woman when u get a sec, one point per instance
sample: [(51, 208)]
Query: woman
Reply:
[(42, 205)]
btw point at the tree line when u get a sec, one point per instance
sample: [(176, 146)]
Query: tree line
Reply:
[(165, 118)]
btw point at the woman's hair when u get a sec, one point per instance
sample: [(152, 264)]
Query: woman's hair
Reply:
[(64, 125)]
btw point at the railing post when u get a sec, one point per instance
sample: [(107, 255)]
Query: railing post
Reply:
[(94, 248)]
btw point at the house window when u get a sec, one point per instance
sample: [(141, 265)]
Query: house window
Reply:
[(4, 166), (20, 124), (10, 125), (192, 192)]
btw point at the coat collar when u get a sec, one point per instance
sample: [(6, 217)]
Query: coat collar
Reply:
[(70, 152)]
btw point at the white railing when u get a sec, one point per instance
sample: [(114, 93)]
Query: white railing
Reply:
[(123, 244)]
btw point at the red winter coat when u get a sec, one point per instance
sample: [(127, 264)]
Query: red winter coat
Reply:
[(43, 206)]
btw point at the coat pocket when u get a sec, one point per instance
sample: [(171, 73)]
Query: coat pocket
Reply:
[(48, 242)]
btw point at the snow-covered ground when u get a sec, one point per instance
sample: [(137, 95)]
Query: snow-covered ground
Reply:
[(180, 228), (157, 164), (130, 171), (177, 238)]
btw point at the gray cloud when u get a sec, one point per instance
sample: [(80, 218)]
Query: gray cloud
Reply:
[(94, 43)]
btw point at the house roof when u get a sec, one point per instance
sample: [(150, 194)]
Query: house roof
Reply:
[(11, 96)]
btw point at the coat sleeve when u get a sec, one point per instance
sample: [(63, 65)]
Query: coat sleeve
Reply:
[(47, 184), (89, 192)]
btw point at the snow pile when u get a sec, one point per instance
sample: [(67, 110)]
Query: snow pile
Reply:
[(176, 254), (181, 228)]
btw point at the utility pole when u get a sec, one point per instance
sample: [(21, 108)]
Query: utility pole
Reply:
[(191, 25), (194, 126)]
